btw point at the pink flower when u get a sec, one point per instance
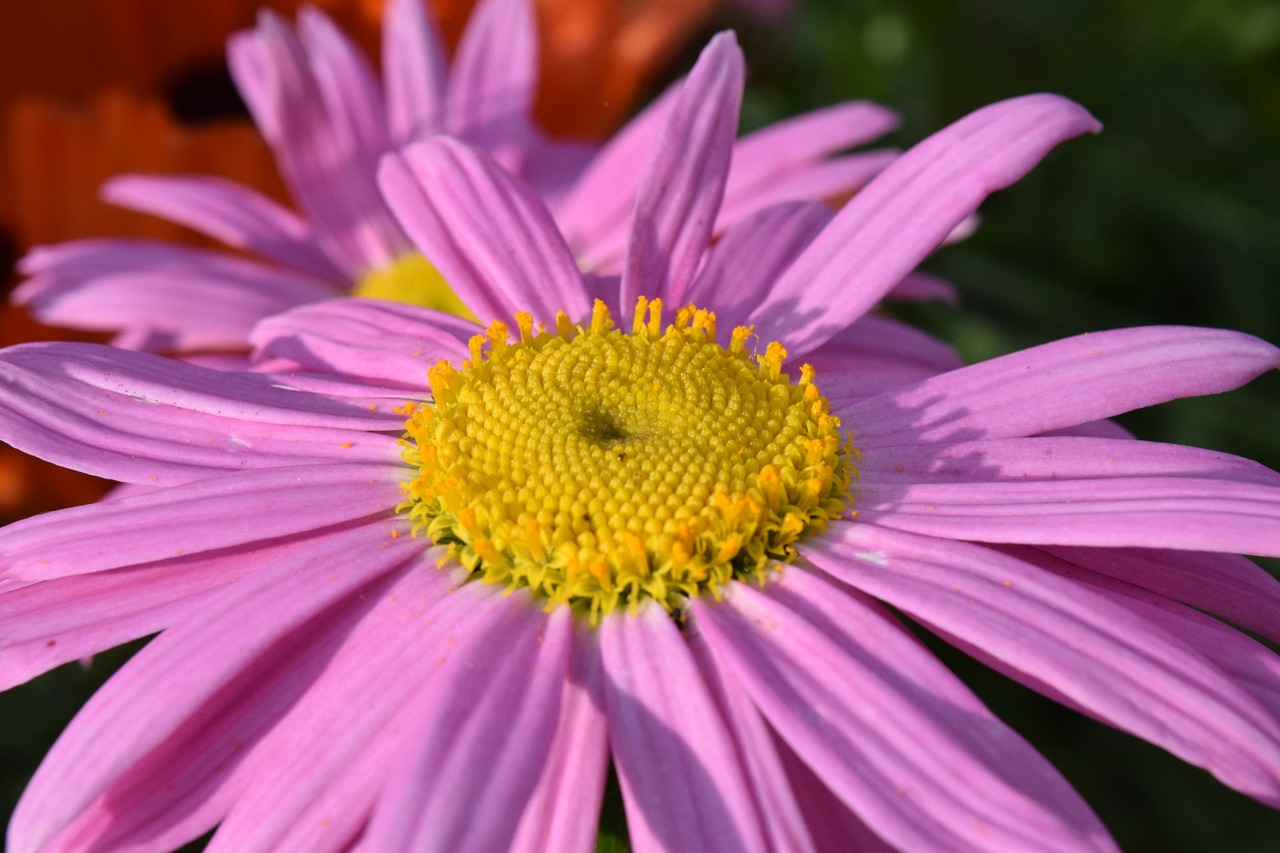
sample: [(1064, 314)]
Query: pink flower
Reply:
[(319, 104), (327, 677)]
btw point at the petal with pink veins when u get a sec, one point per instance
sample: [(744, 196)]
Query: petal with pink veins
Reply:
[(886, 726), (489, 99), (484, 737), (369, 339), (208, 514), (487, 232), (1062, 490), (682, 784), (227, 211), (185, 297), (908, 210), (1122, 660), (683, 182), (212, 687), (1064, 383), (563, 813), (139, 418), (414, 68), (743, 265)]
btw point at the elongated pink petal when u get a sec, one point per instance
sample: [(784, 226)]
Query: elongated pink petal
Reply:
[(681, 780), (683, 184), (315, 778), (744, 264), (489, 98), (595, 214), (318, 157), (785, 146), (922, 287), (225, 210), (1226, 585), (211, 513), (140, 418), (831, 823), (878, 337), (830, 180), (876, 355), (563, 812), (349, 87), (242, 665), (1064, 383), (507, 677), (780, 813), (413, 71), (1061, 490), (892, 224), (486, 231), (1106, 654), (186, 298), (370, 339), (886, 726), (72, 618)]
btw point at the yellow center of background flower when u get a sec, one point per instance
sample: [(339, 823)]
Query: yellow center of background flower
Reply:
[(414, 280), (601, 469)]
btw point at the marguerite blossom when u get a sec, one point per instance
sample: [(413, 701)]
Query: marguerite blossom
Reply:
[(425, 598), (328, 119)]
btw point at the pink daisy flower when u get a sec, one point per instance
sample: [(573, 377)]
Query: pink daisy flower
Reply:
[(321, 107), (399, 617)]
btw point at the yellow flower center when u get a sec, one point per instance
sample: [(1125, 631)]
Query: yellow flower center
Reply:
[(414, 280), (600, 468)]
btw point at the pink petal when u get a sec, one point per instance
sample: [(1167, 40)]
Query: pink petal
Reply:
[(875, 355), (368, 339), (315, 778), (743, 265), (595, 215), (227, 211), (507, 677), (491, 84), (349, 88), (1226, 585), (211, 688), (140, 418), (831, 823), (681, 780), (785, 146), (207, 514), (487, 232), (1074, 491), (1127, 663), (684, 180), (75, 617), (413, 71), (780, 814), (563, 812), (186, 298), (1064, 383), (878, 337), (886, 726), (830, 180), (922, 287), (317, 156), (892, 224)]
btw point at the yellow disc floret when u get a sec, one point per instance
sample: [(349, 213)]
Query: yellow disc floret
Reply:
[(600, 468)]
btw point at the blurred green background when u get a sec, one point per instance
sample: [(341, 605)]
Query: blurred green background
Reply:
[(1169, 216)]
